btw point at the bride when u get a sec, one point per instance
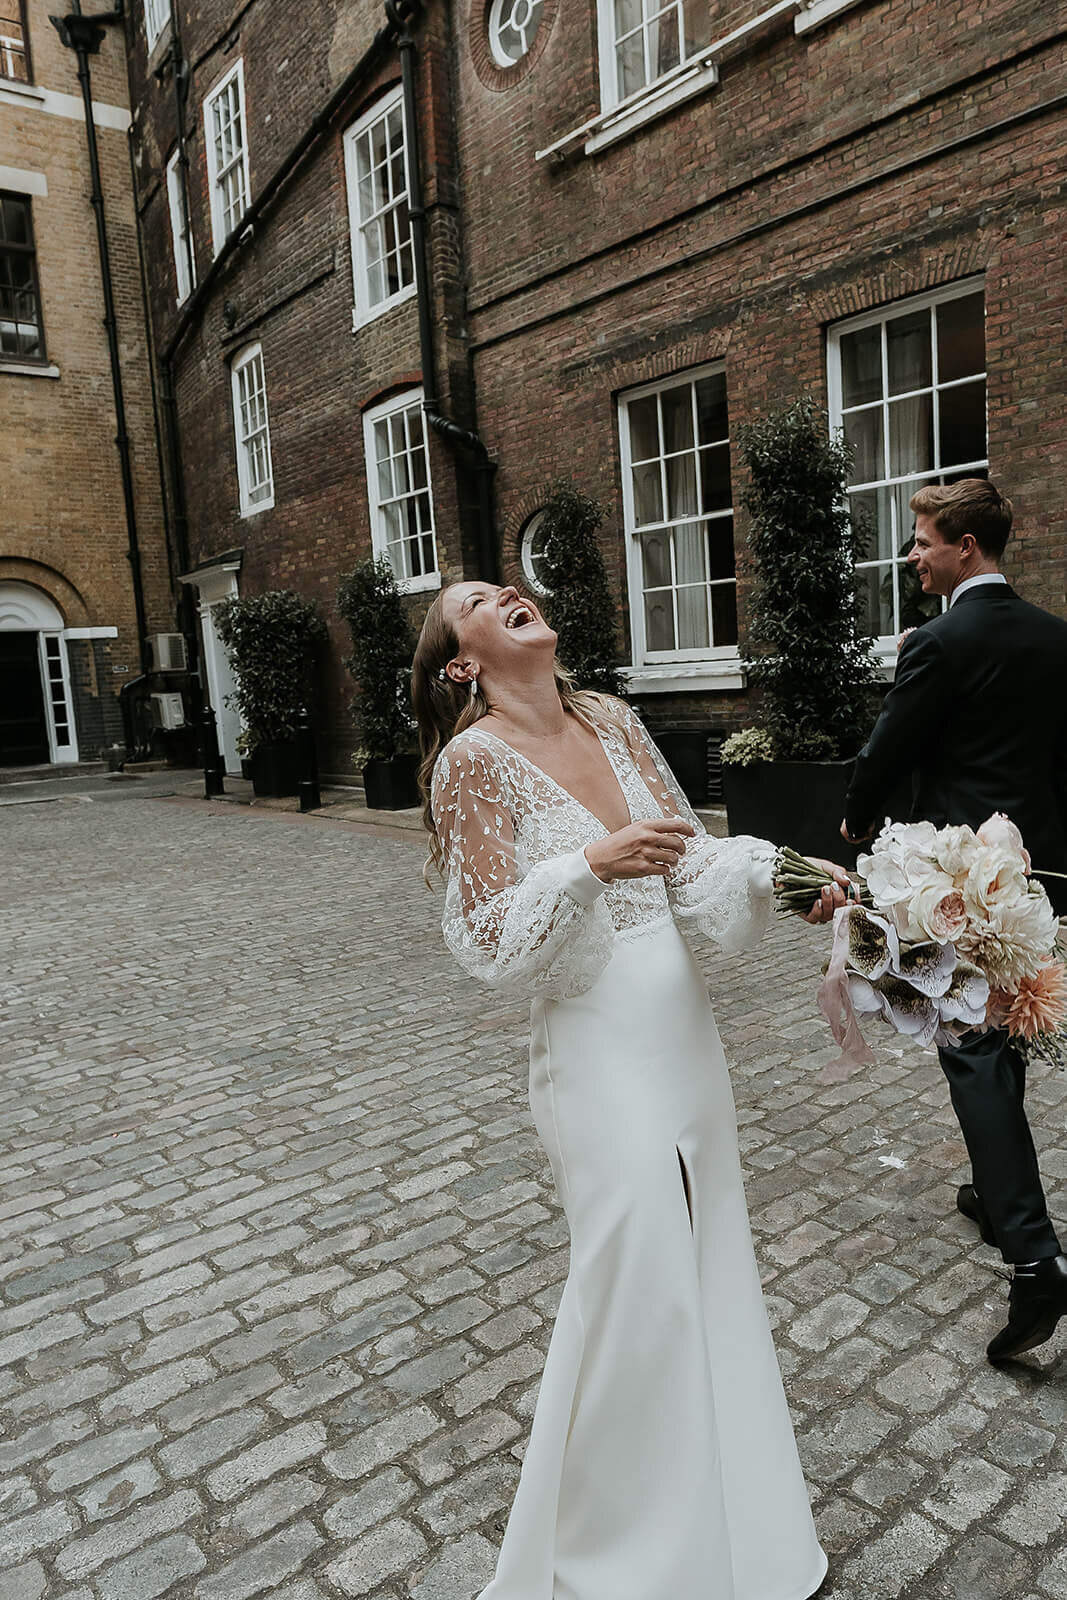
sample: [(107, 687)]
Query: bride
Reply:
[(661, 1464)]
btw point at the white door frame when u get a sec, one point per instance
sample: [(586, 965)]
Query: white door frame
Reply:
[(213, 585), (26, 609)]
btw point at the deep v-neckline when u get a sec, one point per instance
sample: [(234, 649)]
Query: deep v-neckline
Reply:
[(488, 733)]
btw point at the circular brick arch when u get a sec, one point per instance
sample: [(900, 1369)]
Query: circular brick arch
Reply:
[(19, 569), (490, 73)]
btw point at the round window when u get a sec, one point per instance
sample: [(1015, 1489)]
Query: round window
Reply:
[(513, 27), (533, 552)]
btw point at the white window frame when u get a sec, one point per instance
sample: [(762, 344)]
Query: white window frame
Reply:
[(180, 230), (363, 310), (526, 553), (497, 21), (156, 17), (246, 358), (699, 667), (886, 644), (220, 231), (409, 399), (690, 76)]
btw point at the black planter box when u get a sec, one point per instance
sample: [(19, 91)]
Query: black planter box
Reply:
[(276, 769), (392, 785), (800, 803)]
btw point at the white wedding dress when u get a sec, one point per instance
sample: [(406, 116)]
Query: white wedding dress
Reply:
[(662, 1463)]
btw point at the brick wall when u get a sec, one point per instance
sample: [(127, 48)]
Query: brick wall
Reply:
[(64, 528)]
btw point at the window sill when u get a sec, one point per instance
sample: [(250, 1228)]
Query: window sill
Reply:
[(423, 585), (362, 319), (656, 103), (725, 673), (260, 505), (28, 369), (815, 12), (27, 91)]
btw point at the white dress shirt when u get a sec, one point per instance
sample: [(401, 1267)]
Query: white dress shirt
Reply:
[(972, 583)]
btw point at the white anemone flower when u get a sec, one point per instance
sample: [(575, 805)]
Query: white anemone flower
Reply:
[(966, 998), (927, 967)]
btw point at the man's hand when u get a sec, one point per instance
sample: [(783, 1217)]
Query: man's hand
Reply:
[(858, 838), (832, 895)]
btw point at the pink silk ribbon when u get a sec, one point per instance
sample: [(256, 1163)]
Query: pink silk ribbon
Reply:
[(835, 1000)]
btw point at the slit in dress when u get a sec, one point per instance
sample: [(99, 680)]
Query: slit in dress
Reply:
[(686, 1186)]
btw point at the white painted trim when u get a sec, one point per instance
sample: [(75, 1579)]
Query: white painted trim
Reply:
[(219, 232), (179, 211), (726, 673), (243, 359), (54, 104), (404, 401), (816, 12), (652, 106), (214, 585), (154, 25), (26, 609), (362, 310), (21, 182), (90, 633), (26, 369), (60, 755)]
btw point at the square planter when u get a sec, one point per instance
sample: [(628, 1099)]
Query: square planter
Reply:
[(276, 769), (392, 785), (800, 803)]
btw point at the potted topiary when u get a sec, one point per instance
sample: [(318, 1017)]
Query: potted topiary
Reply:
[(272, 640), (382, 648), (579, 604), (808, 658)]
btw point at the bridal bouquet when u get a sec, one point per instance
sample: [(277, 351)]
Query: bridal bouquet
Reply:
[(948, 932)]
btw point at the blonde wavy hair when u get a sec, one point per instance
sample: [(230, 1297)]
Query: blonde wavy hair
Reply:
[(444, 708)]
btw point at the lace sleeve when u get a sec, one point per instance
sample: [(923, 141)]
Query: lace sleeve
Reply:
[(547, 932), (724, 886)]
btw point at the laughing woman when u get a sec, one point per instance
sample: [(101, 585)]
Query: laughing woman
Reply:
[(662, 1464)]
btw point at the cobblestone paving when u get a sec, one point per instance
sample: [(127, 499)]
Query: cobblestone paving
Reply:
[(279, 1259)]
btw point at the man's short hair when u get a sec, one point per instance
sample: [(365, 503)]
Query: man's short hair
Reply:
[(974, 506)]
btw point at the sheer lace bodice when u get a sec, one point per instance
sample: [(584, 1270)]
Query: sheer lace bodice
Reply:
[(524, 910)]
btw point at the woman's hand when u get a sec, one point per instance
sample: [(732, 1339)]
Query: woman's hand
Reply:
[(643, 850), (831, 895)]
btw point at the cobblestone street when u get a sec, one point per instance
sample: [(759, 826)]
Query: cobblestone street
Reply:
[(279, 1256)]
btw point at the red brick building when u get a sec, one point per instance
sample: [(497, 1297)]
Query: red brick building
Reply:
[(647, 223)]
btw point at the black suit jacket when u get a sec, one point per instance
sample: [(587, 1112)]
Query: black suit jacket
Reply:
[(978, 714)]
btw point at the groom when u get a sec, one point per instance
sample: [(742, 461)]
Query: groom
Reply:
[(978, 715)]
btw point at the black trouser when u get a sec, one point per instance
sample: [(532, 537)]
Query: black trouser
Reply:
[(987, 1080)]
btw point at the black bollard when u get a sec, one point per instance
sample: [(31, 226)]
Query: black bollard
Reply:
[(310, 799), (209, 743)]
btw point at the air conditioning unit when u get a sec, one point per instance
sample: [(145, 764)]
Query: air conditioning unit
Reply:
[(168, 712), (167, 651)]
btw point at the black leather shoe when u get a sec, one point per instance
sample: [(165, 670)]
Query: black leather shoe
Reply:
[(1038, 1300), (970, 1206)]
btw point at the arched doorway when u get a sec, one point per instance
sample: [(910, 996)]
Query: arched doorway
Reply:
[(36, 723)]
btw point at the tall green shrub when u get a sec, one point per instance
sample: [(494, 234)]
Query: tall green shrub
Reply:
[(382, 648), (272, 640), (580, 606), (808, 654)]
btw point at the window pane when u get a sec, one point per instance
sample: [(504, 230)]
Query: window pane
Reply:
[(863, 431), (663, 53), (720, 537), (681, 487), (630, 56), (627, 16), (690, 553), (908, 352), (644, 428), (861, 367), (715, 478), (659, 620), (960, 337), (724, 614), (875, 588), (16, 221), (712, 423), (963, 430), (871, 514), (677, 418), (697, 25), (911, 435), (693, 619), (656, 550), (648, 497)]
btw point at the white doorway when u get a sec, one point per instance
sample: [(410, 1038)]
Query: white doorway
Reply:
[(36, 711), (214, 585)]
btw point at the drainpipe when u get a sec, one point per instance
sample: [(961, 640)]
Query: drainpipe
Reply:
[(84, 35), (460, 440)]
